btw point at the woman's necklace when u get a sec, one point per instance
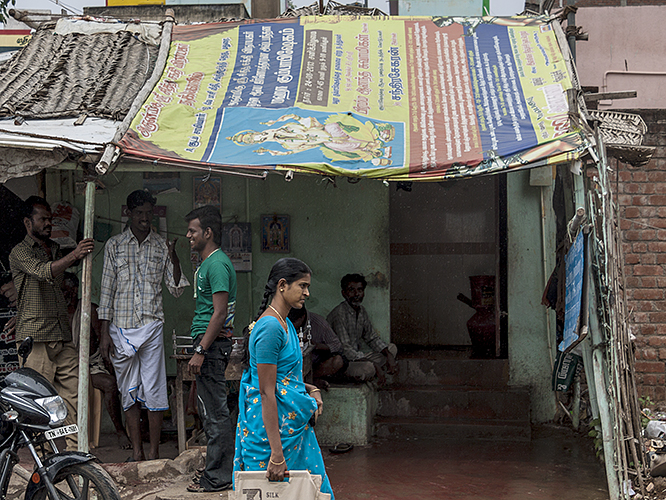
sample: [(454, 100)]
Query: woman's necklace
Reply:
[(279, 316)]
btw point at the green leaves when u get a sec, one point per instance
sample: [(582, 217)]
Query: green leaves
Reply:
[(3, 9)]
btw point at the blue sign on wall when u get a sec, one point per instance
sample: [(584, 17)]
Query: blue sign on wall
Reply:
[(575, 265)]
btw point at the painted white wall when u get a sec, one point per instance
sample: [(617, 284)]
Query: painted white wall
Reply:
[(440, 7), (506, 7), (448, 217), (624, 52), (455, 7)]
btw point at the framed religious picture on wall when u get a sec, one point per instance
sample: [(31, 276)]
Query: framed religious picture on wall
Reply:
[(275, 233), (237, 244), (207, 191)]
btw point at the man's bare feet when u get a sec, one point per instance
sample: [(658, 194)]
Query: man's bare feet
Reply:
[(123, 441)]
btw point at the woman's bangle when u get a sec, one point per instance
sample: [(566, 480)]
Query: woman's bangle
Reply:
[(277, 463), (314, 390)]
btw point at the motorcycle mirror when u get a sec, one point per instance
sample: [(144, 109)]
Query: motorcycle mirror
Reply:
[(25, 348)]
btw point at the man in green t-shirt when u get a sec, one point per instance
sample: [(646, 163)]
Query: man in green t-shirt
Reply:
[(212, 328)]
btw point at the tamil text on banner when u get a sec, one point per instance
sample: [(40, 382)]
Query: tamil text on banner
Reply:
[(395, 98)]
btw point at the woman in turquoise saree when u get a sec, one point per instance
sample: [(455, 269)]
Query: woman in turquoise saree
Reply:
[(276, 408)]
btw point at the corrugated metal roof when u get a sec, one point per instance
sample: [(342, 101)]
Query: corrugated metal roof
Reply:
[(68, 75), (58, 133), (623, 136)]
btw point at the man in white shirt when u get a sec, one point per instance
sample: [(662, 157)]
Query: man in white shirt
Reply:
[(136, 262)]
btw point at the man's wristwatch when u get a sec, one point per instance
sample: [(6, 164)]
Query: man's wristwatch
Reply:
[(200, 350)]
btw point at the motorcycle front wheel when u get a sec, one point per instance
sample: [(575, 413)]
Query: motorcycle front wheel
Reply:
[(87, 481)]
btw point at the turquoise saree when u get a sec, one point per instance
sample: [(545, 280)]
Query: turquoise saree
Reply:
[(269, 343)]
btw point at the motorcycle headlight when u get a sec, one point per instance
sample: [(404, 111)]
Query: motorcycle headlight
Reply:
[(56, 408)]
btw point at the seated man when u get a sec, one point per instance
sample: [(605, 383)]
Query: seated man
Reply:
[(327, 359), (350, 321)]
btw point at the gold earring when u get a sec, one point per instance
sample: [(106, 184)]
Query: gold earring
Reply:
[(282, 289)]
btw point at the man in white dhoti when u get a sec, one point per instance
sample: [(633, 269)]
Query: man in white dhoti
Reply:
[(135, 264)]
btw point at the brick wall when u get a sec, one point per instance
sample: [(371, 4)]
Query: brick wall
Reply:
[(641, 195)]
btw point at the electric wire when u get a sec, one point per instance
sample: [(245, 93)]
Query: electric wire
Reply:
[(67, 7)]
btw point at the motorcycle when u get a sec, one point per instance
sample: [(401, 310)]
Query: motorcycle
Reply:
[(31, 415)]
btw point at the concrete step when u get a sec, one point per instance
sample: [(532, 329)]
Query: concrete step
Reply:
[(348, 415), (482, 373), (455, 429), (454, 402)]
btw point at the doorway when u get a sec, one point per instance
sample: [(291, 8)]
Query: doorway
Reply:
[(441, 233)]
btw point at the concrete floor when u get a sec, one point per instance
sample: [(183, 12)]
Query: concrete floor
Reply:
[(555, 465)]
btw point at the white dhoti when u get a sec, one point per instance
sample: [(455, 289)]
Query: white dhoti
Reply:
[(138, 360)]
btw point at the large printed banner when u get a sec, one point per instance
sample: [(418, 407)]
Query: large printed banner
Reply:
[(395, 98)]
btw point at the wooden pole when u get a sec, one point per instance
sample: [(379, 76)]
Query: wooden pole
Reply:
[(84, 334), (107, 158)]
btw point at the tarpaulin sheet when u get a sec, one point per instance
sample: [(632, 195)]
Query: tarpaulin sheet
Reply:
[(393, 97)]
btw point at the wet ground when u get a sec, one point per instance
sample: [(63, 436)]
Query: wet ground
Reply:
[(556, 464)]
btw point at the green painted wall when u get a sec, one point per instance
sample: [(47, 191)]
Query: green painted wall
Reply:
[(345, 229), (335, 230), (529, 361)]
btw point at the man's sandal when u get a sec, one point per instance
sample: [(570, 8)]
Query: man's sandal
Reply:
[(197, 488), (341, 448), (196, 477)]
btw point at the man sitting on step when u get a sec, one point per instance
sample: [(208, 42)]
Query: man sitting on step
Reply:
[(327, 359), (351, 323)]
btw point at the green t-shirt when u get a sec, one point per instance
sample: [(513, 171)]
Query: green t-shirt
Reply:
[(215, 274)]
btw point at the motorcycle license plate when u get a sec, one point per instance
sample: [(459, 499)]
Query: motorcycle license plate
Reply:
[(61, 431)]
